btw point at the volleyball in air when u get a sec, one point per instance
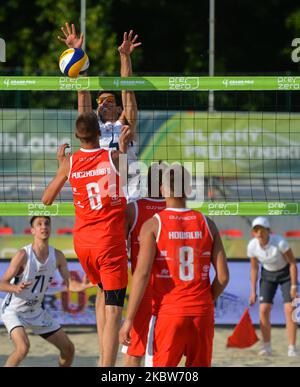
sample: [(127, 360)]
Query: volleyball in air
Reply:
[(73, 61)]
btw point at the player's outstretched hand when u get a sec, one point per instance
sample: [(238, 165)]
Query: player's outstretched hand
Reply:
[(79, 286), (71, 39), (129, 43), (125, 137), (124, 334)]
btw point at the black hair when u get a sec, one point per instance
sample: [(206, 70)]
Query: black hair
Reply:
[(87, 127), (41, 216)]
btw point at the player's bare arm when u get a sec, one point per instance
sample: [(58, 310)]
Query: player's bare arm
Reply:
[(62, 266), (60, 179), (72, 40), (129, 218), (253, 278), (219, 262), (15, 268), (141, 275), (128, 45), (289, 256), (122, 168)]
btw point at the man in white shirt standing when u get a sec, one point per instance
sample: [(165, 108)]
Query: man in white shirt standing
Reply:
[(279, 268)]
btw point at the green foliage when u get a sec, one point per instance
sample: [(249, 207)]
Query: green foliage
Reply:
[(251, 37), (34, 46)]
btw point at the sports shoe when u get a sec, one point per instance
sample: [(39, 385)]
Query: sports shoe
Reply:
[(265, 352), (292, 352)]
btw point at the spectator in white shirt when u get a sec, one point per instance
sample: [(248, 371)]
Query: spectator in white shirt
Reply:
[(279, 268)]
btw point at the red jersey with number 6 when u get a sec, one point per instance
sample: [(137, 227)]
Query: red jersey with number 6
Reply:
[(98, 199), (181, 283)]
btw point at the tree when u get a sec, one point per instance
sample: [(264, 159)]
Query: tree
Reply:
[(31, 30)]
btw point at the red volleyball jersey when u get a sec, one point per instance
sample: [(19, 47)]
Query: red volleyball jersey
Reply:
[(144, 210), (181, 284), (98, 199)]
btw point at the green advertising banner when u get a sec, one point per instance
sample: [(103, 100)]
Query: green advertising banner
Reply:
[(230, 144), (207, 208), (171, 83)]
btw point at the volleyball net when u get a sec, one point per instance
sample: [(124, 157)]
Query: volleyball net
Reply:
[(248, 137)]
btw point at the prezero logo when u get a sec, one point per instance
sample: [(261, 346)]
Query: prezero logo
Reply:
[(39, 209), (66, 83), (183, 83)]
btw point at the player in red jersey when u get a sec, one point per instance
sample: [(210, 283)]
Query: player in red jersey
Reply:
[(178, 246), (99, 237), (137, 213)]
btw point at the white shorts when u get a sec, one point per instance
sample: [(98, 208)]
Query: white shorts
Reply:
[(40, 322)]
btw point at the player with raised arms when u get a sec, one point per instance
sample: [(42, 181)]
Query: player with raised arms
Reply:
[(111, 115)]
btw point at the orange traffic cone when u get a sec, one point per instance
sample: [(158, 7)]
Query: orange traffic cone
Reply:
[(244, 334)]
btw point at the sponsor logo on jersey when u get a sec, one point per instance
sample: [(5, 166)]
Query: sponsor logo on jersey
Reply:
[(157, 208), (91, 158), (164, 274), (179, 217), (31, 302)]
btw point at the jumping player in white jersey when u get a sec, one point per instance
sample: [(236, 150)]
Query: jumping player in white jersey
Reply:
[(111, 115), (26, 280)]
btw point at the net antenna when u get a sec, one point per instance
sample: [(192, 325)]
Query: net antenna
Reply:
[(83, 21), (211, 51)]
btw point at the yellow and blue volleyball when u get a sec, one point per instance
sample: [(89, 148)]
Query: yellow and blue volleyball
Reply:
[(73, 61)]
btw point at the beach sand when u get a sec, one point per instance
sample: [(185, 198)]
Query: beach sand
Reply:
[(43, 354)]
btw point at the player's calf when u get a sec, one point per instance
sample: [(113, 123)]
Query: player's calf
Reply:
[(133, 361), (67, 355)]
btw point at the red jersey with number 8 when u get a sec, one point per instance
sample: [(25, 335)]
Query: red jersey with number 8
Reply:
[(98, 199), (181, 283)]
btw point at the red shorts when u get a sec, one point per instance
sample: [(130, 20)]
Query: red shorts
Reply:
[(107, 267), (191, 336), (139, 331)]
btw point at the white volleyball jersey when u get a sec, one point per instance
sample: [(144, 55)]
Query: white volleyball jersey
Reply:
[(40, 274), (110, 133)]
